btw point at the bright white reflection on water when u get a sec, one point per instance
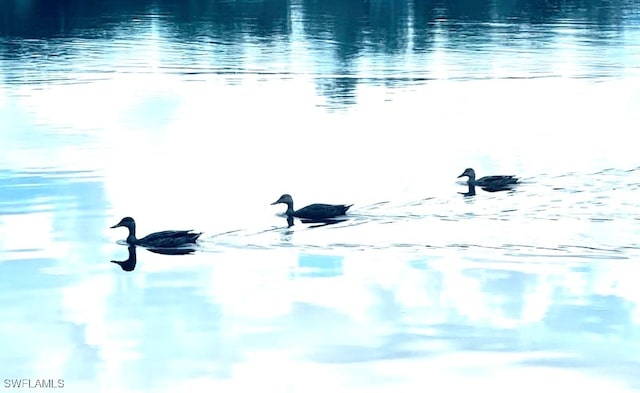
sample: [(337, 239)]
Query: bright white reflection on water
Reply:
[(198, 115)]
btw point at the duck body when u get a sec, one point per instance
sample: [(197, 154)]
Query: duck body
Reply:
[(168, 239), (163, 239), (489, 182), (316, 211), (321, 210)]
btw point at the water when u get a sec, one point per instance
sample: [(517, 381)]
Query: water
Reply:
[(200, 114)]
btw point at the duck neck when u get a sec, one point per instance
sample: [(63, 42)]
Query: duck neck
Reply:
[(472, 180), (290, 209), (131, 239)]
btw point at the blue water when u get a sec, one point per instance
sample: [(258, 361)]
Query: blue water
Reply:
[(198, 115)]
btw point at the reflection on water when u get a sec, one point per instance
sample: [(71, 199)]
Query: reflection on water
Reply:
[(193, 114), (393, 44), (130, 263)]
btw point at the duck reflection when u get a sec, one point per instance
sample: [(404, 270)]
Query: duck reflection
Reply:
[(497, 189), (130, 263), (319, 222), (471, 191), (323, 222)]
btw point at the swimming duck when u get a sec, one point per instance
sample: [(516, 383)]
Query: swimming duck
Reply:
[(489, 182), (164, 239), (317, 211)]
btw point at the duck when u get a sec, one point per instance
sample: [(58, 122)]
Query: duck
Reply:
[(163, 239), (316, 211), (498, 182)]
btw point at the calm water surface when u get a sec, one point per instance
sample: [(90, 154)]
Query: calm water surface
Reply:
[(198, 115)]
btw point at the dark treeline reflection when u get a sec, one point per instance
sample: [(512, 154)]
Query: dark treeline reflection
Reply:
[(227, 21), (47, 19), (59, 18), (350, 24), (340, 27), (339, 32)]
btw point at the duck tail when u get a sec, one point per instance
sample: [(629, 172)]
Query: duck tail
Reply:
[(194, 236)]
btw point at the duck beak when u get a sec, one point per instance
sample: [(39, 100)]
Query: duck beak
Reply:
[(463, 174), (115, 226), (276, 202)]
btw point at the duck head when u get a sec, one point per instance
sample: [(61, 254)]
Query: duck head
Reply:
[(284, 198), (468, 172), (127, 222)]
